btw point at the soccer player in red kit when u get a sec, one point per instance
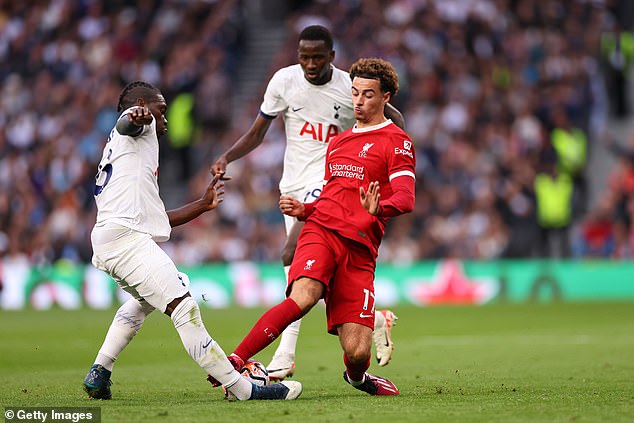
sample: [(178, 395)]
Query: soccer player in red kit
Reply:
[(313, 98), (369, 178)]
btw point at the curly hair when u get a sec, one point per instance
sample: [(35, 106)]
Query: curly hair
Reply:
[(134, 90), (376, 68)]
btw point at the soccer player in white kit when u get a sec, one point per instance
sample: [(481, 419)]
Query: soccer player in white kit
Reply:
[(314, 98), (131, 219)]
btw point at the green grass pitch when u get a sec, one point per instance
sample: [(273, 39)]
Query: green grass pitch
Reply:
[(496, 363)]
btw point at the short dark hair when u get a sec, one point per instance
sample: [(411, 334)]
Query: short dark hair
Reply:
[(317, 33), (375, 68), (134, 90)]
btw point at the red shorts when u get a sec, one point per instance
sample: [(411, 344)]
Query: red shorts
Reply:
[(345, 267)]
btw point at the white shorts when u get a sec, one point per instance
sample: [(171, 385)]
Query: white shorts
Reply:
[(305, 194), (138, 265)]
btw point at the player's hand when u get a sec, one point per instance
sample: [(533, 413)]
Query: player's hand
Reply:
[(140, 115), (291, 206), (214, 193), (370, 199), (219, 168)]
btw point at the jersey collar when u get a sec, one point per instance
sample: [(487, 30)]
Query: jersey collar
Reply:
[(371, 128)]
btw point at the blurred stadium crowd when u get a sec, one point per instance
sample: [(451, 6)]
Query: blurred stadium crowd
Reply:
[(504, 99)]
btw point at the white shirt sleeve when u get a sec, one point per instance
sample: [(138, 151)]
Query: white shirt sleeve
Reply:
[(273, 102)]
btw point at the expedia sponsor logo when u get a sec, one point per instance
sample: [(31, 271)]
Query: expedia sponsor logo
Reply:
[(346, 170), (403, 152)]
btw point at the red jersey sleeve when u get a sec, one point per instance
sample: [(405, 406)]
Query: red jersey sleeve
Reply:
[(401, 158), (402, 177), (402, 199), (308, 210)]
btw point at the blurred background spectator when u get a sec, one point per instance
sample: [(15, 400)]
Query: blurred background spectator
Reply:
[(490, 90)]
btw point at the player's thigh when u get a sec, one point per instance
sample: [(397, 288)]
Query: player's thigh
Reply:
[(350, 297), (314, 256), (145, 269)]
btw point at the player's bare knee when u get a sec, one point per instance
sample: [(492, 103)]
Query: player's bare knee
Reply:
[(304, 300), (357, 354), (306, 293)]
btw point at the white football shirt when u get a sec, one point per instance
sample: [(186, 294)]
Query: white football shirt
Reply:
[(313, 116), (126, 186)]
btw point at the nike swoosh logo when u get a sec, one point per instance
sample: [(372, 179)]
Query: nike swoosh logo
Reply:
[(207, 344), (387, 342), (333, 151), (363, 316), (296, 109)]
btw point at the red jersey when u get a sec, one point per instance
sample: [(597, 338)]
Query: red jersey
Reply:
[(356, 157)]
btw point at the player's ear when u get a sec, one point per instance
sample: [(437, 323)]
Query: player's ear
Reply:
[(386, 97), (332, 56)]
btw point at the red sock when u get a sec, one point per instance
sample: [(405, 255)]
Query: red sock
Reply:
[(355, 370), (268, 328)]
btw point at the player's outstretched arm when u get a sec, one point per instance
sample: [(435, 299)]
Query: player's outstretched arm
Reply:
[(370, 199), (132, 123), (245, 144), (209, 201)]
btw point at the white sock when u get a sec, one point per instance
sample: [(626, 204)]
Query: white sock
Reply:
[(379, 319), (288, 340), (205, 351), (125, 325), (356, 382)]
